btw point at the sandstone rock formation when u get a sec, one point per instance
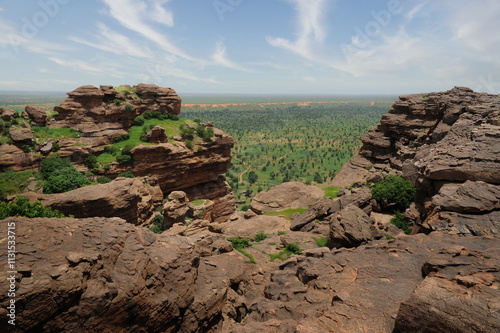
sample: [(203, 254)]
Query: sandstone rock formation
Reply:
[(286, 195), (37, 114), (132, 199), (101, 114), (106, 275), (361, 289), (444, 143)]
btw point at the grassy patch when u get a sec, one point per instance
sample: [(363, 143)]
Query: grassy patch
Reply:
[(287, 213), (240, 244), (285, 254), (260, 236), (44, 133), (321, 242), (14, 182), (198, 202), (331, 192), (128, 92)]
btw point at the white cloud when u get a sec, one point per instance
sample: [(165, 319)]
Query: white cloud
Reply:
[(134, 14), (389, 55), (111, 41), (220, 58), (86, 67), (160, 73), (310, 26), (1, 9), (16, 41)]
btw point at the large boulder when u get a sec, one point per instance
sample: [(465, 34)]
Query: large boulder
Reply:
[(21, 135), (350, 227), (106, 275), (286, 195), (157, 134), (176, 209), (37, 114), (132, 199), (7, 114), (459, 294)]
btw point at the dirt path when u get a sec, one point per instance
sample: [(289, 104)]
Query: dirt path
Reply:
[(241, 175)]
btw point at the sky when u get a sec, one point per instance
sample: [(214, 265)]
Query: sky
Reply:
[(252, 46)]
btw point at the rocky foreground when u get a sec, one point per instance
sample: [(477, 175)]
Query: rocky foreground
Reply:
[(107, 273)]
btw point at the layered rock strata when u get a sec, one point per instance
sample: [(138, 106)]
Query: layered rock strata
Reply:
[(448, 145)]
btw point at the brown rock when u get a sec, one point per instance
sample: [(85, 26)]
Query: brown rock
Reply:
[(132, 199), (157, 134), (176, 209), (37, 114), (21, 135), (286, 195), (105, 275), (7, 114), (350, 227)]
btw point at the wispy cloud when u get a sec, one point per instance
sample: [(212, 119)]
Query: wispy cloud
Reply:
[(84, 66), (13, 38), (133, 15), (111, 41), (310, 28), (160, 74), (220, 58)]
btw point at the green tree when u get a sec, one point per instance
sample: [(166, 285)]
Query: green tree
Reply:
[(396, 190), (21, 206), (252, 177)]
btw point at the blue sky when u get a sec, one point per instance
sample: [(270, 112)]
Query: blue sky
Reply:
[(252, 46)]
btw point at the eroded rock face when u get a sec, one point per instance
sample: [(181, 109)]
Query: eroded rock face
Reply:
[(361, 289), (37, 114), (103, 112), (444, 143), (106, 275), (286, 195), (132, 199)]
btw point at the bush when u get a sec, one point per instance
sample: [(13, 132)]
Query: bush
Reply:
[(245, 207), (239, 243), (399, 221), (112, 150), (252, 177), (117, 101), (395, 190), (126, 174), (21, 207), (103, 180), (139, 121), (157, 226), (64, 180), (186, 132), (49, 165), (129, 108), (260, 236), (124, 159), (189, 144), (91, 162), (293, 248), (120, 138), (27, 148), (127, 149)]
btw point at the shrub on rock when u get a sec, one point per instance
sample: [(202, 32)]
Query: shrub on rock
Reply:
[(395, 190)]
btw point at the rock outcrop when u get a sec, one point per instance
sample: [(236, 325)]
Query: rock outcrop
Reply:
[(448, 145), (105, 113), (102, 114), (106, 275), (286, 195), (361, 289), (132, 199)]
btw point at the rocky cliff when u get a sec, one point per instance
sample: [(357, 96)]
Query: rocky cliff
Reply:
[(100, 115), (448, 145)]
